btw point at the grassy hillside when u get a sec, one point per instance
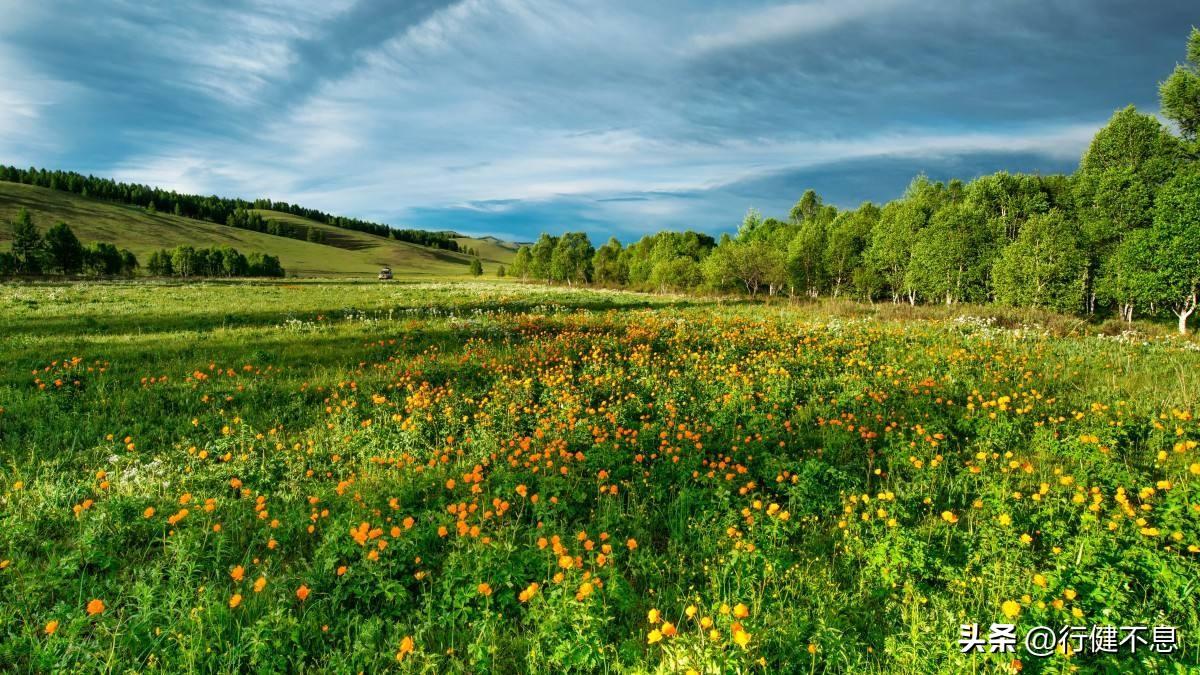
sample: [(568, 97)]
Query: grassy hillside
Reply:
[(346, 253), (490, 249), (383, 249)]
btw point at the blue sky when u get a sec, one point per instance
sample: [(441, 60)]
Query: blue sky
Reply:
[(513, 117)]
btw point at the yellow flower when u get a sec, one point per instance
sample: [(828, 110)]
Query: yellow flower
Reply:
[(1005, 519), (51, 626), (653, 616), (741, 611), (654, 636), (949, 517), (741, 637), (235, 600), (1011, 609)]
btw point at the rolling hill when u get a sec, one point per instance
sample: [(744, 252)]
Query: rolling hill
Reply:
[(344, 253)]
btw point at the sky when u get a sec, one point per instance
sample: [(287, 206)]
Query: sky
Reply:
[(616, 117)]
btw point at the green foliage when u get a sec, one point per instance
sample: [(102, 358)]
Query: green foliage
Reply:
[(476, 267), (1176, 241), (26, 244), (849, 237), (1130, 278), (952, 257), (609, 266), (64, 252), (1136, 142), (752, 264), (1043, 268), (541, 263), (571, 260), (1180, 93), (522, 263)]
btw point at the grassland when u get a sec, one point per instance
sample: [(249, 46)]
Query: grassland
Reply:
[(340, 476), (346, 254)]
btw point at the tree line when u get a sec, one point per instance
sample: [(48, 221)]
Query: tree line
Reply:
[(187, 262), (1120, 236), (209, 208), (252, 220), (59, 251)]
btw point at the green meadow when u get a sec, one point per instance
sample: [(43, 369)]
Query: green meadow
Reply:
[(345, 476)]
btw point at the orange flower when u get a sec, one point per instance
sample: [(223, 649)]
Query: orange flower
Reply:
[(302, 592), (530, 591), (341, 570), (949, 517), (566, 562), (632, 544), (484, 589), (149, 512), (51, 627), (406, 647), (585, 590), (668, 629), (237, 573), (95, 607), (260, 584), (235, 600), (740, 611)]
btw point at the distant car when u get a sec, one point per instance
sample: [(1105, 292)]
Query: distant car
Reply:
[(385, 274)]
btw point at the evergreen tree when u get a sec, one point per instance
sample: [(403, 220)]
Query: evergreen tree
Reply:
[(26, 244), (63, 250)]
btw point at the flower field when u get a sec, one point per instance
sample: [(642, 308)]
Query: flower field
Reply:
[(480, 478)]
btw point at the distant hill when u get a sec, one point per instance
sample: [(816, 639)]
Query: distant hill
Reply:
[(344, 252), (489, 249)]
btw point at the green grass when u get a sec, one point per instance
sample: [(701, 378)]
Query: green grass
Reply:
[(351, 254), (836, 488), (400, 255)]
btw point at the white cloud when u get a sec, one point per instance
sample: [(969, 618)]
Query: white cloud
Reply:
[(792, 20)]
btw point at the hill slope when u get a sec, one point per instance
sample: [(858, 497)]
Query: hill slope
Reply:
[(346, 252)]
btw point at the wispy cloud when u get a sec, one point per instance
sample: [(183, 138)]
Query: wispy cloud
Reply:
[(525, 114), (792, 20)]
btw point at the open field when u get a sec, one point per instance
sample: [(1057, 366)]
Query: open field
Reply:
[(340, 476), (349, 253)]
